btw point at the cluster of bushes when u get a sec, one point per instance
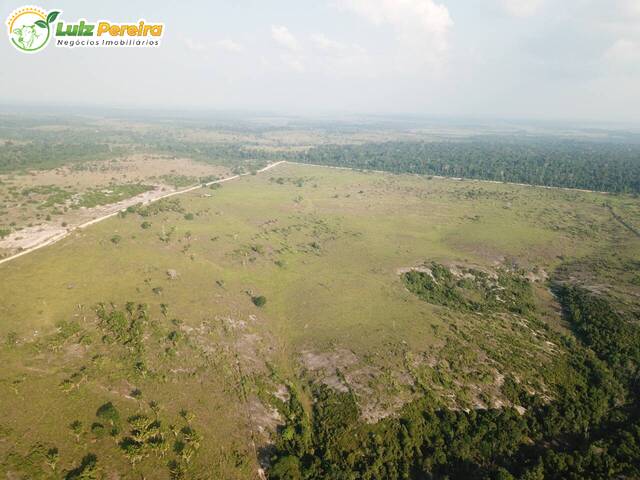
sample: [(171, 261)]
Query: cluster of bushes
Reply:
[(54, 195), (472, 290), (125, 327), (45, 154), (589, 430), (112, 194), (156, 208)]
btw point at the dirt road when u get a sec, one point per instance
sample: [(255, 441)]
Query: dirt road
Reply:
[(40, 237)]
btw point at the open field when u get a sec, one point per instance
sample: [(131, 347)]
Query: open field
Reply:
[(210, 367), (39, 205)]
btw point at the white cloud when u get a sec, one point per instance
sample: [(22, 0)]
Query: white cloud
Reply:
[(194, 45), (293, 62), (632, 7), (423, 23), (337, 59), (322, 42), (285, 38), (229, 46), (624, 52), (522, 8), (329, 46)]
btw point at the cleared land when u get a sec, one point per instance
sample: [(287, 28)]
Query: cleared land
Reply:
[(198, 377), (37, 207)]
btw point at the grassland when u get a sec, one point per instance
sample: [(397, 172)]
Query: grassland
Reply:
[(38, 204), (209, 369)]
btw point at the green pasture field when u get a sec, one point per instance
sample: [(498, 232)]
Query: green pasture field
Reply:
[(326, 248)]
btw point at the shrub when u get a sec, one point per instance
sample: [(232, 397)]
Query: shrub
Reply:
[(259, 301), (108, 413), (97, 429)]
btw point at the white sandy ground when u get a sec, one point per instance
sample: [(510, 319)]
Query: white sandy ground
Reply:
[(40, 236), (30, 237)]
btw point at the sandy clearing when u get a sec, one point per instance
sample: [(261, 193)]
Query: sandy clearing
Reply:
[(35, 238)]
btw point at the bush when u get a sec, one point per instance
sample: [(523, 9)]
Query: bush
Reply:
[(286, 468), (108, 413), (97, 429), (259, 301)]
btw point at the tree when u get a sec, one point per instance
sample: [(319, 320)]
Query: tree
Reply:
[(259, 301), (87, 470), (108, 413), (286, 468)]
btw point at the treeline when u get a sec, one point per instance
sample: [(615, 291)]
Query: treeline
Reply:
[(602, 166), (216, 153), (590, 430), (42, 155)]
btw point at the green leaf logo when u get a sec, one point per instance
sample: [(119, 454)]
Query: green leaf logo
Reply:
[(41, 24), (52, 17)]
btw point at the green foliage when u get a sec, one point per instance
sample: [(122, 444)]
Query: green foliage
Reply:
[(286, 468), (161, 206), (145, 437), (111, 194), (108, 413), (48, 195), (125, 327), (98, 429), (602, 166), (87, 470), (179, 181), (259, 301), (45, 154), (585, 432), (39, 462), (615, 339), (471, 289)]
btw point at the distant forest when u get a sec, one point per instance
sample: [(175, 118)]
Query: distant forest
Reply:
[(603, 166)]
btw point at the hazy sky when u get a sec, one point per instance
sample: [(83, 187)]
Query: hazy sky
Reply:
[(555, 59)]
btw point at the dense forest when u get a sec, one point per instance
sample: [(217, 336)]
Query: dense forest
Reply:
[(603, 166), (590, 430), (606, 164)]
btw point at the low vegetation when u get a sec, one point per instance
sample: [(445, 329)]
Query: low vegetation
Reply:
[(289, 322), (471, 289)]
